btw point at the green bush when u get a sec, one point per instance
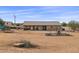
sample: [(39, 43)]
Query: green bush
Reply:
[(73, 25), (6, 28), (64, 24), (13, 27)]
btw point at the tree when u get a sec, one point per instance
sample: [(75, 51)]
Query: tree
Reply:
[(18, 24), (64, 24), (73, 25), (1, 22)]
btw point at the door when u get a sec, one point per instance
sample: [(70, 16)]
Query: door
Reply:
[(44, 27)]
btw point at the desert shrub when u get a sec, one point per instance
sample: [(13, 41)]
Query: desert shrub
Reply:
[(6, 28), (48, 34), (24, 44), (55, 34), (13, 27), (73, 25), (64, 24)]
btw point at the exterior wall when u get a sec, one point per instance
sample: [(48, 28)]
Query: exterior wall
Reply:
[(54, 27), (43, 27), (67, 28)]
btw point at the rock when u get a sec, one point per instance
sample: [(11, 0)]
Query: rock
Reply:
[(19, 44)]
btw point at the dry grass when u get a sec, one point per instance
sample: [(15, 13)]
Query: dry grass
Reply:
[(46, 43)]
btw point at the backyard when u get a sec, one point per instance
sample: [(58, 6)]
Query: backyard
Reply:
[(46, 43)]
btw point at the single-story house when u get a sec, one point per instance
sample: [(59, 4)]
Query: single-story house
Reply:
[(42, 25), (10, 24)]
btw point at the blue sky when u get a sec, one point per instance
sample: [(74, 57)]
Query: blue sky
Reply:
[(39, 13)]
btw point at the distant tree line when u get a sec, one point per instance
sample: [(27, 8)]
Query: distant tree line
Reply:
[(74, 25)]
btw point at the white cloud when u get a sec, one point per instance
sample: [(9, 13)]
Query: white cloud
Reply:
[(49, 9), (72, 12), (17, 12)]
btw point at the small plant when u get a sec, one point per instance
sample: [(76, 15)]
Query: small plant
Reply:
[(48, 34)]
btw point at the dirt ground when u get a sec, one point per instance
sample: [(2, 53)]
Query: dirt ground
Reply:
[(47, 44)]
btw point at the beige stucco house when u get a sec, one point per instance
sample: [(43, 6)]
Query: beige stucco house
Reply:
[(42, 25)]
